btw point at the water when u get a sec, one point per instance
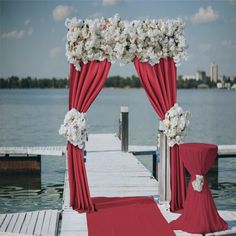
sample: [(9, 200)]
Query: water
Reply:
[(32, 118)]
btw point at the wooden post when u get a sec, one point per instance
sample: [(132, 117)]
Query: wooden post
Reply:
[(154, 165), (119, 131), (164, 167), (124, 128)]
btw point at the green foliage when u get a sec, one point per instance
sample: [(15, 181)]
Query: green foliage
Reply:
[(112, 81), (120, 82), (28, 82)]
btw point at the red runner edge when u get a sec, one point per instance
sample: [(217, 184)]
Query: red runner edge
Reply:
[(127, 216)]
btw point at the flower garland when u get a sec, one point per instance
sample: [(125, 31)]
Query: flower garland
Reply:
[(176, 123), (115, 39), (75, 128)]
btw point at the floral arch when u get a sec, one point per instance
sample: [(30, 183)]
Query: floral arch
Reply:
[(155, 47)]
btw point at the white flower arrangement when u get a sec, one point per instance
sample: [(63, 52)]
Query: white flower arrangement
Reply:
[(198, 183), (115, 39), (176, 123), (75, 128)]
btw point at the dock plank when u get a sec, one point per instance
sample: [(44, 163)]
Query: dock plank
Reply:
[(12, 222), (19, 222), (32, 223), (6, 222), (53, 223), (2, 217), (46, 223), (39, 223), (26, 223)]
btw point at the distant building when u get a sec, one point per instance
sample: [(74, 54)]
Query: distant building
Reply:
[(232, 77), (188, 77), (227, 85), (201, 75), (214, 72), (219, 85), (233, 86), (222, 78)]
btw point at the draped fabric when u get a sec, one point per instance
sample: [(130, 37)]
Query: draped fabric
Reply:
[(127, 216), (85, 85), (159, 82), (200, 214)]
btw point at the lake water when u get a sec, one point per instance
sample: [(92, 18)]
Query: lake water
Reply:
[(32, 118)]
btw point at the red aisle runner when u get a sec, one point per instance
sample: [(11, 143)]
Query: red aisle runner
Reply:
[(127, 216)]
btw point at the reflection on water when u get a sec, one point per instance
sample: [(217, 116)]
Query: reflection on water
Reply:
[(225, 195), (28, 199), (27, 192), (22, 180)]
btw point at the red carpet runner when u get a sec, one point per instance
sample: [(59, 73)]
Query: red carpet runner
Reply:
[(127, 216)]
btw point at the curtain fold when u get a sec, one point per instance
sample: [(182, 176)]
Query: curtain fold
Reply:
[(85, 85), (159, 82)]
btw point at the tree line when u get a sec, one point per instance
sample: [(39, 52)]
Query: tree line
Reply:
[(14, 82)]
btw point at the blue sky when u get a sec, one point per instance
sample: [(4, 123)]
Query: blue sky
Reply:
[(32, 33)]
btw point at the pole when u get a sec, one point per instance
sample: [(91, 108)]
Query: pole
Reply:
[(124, 128)]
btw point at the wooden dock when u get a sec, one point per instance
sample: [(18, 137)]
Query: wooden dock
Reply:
[(43, 223), (113, 173), (229, 150), (44, 150)]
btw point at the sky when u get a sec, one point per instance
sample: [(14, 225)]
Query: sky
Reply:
[(33, 33)]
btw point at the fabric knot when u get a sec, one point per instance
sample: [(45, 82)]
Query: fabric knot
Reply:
[(198, 183), (75, 128)]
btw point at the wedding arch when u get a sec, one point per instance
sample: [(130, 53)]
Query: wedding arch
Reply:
[(156, 47)]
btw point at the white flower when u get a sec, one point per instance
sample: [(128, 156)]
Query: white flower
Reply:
[(198, 183), (176, 122), (75, 128), (114, 39)]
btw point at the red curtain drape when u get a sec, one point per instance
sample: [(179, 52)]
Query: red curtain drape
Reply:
[(159, 82), (85, 85)]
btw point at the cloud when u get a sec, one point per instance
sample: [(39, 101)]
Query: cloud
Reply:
[(30, 31), (205, 15), (14, 34), (54, 52), (61, 12), (27, 22), (229, 44), (96, 15), (109, 2), (206, 47)]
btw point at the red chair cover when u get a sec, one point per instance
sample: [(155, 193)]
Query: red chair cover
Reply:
[(85, 85), (159, 82), (200, 214)]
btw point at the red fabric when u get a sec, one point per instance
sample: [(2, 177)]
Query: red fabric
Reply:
[(159, 82), (127, 216), (200, 214), (85, 85)]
